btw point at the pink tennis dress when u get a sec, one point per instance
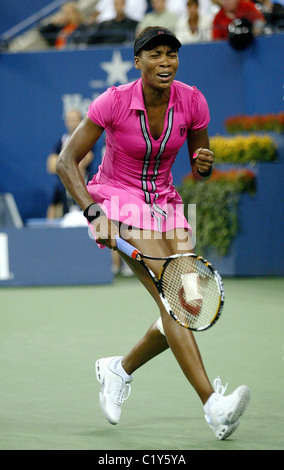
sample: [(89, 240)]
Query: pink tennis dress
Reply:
[(134, 183)]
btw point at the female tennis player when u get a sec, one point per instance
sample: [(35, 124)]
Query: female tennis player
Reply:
[(132, 195)]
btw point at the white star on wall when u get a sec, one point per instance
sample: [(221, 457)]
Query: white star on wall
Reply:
[(116, 69)]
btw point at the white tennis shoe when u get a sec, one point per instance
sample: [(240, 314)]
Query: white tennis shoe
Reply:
[(114, 391), (222, 413)]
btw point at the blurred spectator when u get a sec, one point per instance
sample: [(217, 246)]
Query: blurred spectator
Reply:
[(160, 16), (273, 12), (232, 9), (195, 27), (134, 9), (61, 202), (64, 27), (119, 30), (177, 7), (277, 19)]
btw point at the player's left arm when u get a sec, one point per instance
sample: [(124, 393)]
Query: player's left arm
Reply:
[(201, 157)]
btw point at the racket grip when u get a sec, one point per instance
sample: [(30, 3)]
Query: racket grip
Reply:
[(126, 248)]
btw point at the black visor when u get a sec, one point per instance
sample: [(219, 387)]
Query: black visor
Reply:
[(155, 37)]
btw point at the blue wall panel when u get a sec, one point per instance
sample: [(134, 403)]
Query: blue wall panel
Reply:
[(51, 257)]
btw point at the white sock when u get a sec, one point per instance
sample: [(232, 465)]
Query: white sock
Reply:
[(120, 371)]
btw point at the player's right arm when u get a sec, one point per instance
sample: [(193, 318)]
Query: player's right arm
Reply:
[(67, 167), (80, 143)]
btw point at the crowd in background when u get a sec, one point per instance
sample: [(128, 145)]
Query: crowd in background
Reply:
[(119, 21)]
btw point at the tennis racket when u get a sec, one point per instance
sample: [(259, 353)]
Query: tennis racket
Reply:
[(190, 288)]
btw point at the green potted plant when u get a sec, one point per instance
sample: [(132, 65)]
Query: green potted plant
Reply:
[(217, 207)]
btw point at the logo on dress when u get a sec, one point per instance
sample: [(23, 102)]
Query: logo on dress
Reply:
[(182, 129)]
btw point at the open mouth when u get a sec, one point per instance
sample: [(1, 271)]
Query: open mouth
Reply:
[(164, 75)]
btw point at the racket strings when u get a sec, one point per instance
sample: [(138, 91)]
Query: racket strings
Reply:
[(192, 291)]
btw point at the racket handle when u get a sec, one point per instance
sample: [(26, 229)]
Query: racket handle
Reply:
[(126, 248)]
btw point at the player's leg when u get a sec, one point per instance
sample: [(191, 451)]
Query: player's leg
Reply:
[(222, 413), (180, 340), (149, 346), (114, 373)]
